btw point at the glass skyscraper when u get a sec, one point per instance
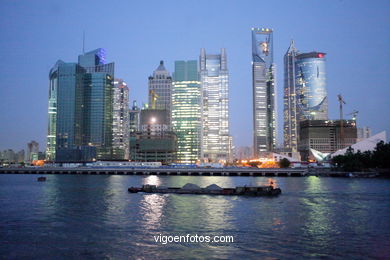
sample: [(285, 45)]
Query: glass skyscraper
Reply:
[(186, 110), (65, 111), (263, 85), (214, 78), (305, 95), (311, 94), (290, 126), (80, 109), (98, 102)]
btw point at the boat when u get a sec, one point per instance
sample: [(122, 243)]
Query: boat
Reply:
[(41, 179), (212, 189)]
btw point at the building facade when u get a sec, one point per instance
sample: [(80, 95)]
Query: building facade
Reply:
[(325, 136), (155, 142), (214, 78), (186, 110), (121, 122), (160, 89), (311, 94), (290, 126), (263, 86), (80, 109), (98, 102)]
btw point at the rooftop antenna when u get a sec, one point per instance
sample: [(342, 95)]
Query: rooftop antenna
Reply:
[(83, 41)]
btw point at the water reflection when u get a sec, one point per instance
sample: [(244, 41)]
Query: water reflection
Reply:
[(317, 213), (152, 180), (95, 217), (152, 206)]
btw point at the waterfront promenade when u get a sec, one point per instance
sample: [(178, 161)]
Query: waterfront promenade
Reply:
[(160, 171)]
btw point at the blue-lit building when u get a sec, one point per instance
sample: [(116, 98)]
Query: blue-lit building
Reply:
[(310, 86), (80, 109), (263, 86)]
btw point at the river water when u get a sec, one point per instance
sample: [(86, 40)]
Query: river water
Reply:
[(94, 217)]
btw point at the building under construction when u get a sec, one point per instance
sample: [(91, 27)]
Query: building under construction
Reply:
[(155, 141), (325, 136)]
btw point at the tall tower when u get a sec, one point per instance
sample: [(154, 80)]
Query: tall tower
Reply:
[(311, 94), (66, 97), (263, 85), (214, 78), (186, 110), (290, 126), (80, 109), (121, 122), (98, 102), (160, 89)]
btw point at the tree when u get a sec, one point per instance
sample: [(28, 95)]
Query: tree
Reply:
[(351, 161), (284, 163)]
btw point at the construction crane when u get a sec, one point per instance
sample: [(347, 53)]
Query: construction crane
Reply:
[(354, 114), (341, 101), (154, 98)]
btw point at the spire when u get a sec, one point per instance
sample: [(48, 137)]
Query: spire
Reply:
[(83, 42), (292, 46), (161, 66)]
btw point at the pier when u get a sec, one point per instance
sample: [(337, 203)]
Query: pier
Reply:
[(271, 172)]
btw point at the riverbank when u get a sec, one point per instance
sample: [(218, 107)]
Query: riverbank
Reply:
[(269, 172)]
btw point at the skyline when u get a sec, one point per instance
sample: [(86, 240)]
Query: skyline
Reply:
[(28, 58)]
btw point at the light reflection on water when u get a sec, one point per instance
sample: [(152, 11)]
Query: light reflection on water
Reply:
[(95, 217)]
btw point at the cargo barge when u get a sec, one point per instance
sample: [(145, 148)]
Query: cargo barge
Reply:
[(210, 190)]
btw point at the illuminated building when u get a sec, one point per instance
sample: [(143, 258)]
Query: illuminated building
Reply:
[(80, 109), (120, 127), (263, 84), (325, 136), (290, 127), (310, 86), (186, 110), (214, 78), (155, 142), (160, 88)]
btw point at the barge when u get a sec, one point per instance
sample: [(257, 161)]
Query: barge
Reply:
[(212, 189)]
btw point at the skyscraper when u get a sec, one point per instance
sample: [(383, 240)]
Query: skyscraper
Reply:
[(263, 84), (65, 111), (311, 94), (98, 102), (160, 89), (214, 78), (121, 120), (305, 96), (186, 110), (290, 126), (80, 109)]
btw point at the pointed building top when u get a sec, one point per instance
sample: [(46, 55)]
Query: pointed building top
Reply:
[(292, 46), (161, 67)]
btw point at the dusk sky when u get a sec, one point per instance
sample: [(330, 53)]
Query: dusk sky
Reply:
[(138, 34)]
